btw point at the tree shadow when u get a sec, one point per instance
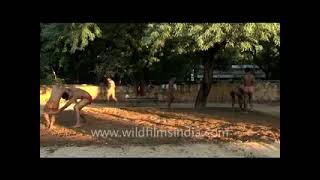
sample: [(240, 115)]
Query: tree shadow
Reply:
[(219, 113), (205, 120), (239, 130), (236, 116), (65, 134)]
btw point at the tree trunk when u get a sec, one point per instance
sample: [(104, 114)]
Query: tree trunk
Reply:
[(77, 77), (267, 75), (205, 86), (140, 89), (266, 71), (54, 74), (141, 85)]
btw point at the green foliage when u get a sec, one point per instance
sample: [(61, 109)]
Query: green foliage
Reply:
[(77, 35), (267, 57), (188, 37), (50, 50), (127, 49)]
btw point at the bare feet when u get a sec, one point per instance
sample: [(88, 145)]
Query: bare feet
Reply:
[(51, 127), (48, 125)]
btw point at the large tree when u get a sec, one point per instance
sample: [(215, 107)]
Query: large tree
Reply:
[(133, 49), (210, 40), (124, 55), (62, 47), (267, 57)]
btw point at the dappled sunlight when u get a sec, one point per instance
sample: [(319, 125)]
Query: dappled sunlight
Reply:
[(64, 134), (128, 118), (202, 84), (162, 119), (173, 121)]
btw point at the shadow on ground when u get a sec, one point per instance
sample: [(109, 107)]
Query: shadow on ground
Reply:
[(65, 134), (216, 113)]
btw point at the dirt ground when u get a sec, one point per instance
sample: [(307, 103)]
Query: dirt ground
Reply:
[(256, 134), (199, 150), (251, 127)]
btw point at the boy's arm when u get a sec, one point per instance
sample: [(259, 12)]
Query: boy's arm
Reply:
[(67, 104)]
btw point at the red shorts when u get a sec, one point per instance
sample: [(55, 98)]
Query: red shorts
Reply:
[(248, 89), (90, 99)]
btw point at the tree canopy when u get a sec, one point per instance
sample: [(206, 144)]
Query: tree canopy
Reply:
[(87, 52)]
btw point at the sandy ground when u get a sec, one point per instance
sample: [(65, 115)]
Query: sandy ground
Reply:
[(255, 134), (265, 108), (229, 150)]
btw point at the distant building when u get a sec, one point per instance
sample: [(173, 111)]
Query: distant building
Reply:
[(234, 72)]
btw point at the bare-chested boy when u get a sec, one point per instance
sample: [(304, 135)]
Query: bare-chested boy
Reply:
[(248, 87), (171, 89), (73, 95), (52, 106), (111, 91)]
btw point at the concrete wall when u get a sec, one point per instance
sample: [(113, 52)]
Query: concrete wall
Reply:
[(264, 92)]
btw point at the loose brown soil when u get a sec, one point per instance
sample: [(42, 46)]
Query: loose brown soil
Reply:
[(242, 127)]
